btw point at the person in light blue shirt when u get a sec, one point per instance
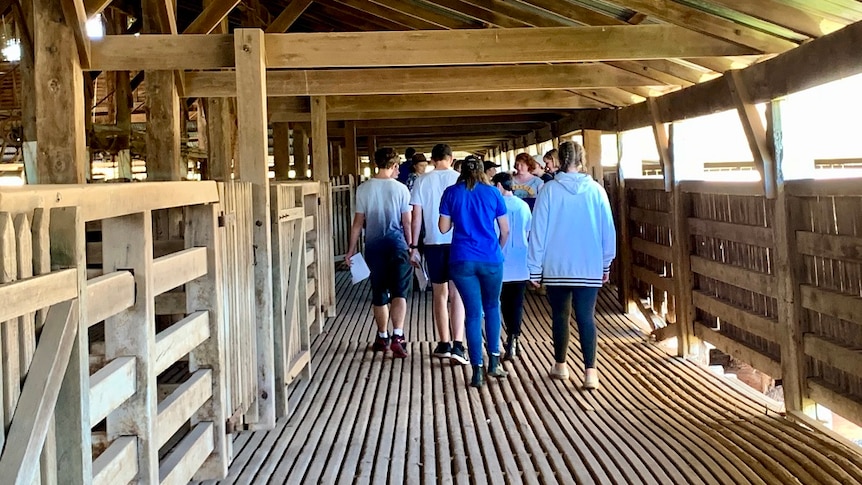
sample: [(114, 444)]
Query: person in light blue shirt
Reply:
[(515, 272), (474, 208)]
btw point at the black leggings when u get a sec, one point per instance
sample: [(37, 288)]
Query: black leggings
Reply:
[(512, 306)]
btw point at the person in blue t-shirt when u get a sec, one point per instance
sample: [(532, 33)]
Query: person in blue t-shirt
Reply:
[(472, 206)]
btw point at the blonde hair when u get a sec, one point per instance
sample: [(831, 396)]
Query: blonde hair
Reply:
[(571, 154)]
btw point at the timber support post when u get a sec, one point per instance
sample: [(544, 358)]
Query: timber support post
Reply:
[(253, 143)]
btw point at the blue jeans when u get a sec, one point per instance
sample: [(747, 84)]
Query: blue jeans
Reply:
[(583, 299), (479, 285)]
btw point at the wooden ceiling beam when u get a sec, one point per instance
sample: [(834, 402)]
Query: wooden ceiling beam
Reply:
[(503, 100), (427, 80), (457, 120), (503, 46), (517, 11), (700, 21), (211, 17), (278, 113), (428, 48), (502, 128), (288, 16)]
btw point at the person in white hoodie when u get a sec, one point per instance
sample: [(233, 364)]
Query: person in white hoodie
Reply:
[(572, 244)]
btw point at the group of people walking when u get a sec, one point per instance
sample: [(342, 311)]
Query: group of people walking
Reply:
[(484, 237)]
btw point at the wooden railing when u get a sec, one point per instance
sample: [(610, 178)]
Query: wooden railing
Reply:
[(734, 248), (343, 207), (109, 424)]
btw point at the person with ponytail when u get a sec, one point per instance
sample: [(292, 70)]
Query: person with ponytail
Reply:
[(476, 210), (572, 244)]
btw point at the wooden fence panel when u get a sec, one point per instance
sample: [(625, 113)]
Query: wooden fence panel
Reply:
[(732, 252), (829, 243), (649, 226), (343, 207)]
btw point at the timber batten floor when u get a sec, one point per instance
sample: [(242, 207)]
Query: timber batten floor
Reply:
[(367, 418)]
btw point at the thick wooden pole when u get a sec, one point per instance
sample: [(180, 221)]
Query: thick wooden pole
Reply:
[(221, 132), (253, 142), (281, 150), (319, 140), (625, 239), (593, 149), (163, 128), (24, 17), (351, 156), (300, 150), (792, 318), (61, 151)]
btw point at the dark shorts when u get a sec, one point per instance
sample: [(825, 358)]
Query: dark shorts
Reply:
[(391, 275), (437, 261)]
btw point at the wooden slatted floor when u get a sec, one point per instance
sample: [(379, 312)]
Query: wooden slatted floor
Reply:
[(365, 418)]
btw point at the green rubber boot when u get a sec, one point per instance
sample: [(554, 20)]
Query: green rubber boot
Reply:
[(478, 376), (495, 368)]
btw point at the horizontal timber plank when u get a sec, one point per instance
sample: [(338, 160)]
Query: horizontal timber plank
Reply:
[(754, 235), (742, 319), (844, 248), (420, 80), (650, 277), (753, 189), (755, 281), (658, 251), (656, 218), (36, 293), (844, 307), (843, 187), (490, 46), (184, 460), (103, 201), (110, 386), (498, 100), (846, 406), (118, 463), (833, 354), (161, 52), (108, 295), (178, 269), (645, 184), (180, 338), (182, 404), (739, 351)]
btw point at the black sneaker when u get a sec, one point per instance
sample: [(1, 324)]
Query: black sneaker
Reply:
[(459, 354), (443, 350), (381, 344)]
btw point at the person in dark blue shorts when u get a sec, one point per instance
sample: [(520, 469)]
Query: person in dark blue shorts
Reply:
[(383, 207)]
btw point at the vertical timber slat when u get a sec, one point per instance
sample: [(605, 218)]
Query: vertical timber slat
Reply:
[(128, 245), (72, 419)]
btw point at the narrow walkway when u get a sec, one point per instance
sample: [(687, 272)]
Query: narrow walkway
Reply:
[(366, 418)]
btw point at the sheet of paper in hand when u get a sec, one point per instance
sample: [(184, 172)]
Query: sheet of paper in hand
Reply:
[(358, 268)]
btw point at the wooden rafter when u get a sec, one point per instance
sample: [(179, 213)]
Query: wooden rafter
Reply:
[(288, 16), (788, 16), (76, 18), (488, 17), (429, 14), (703, 22), (212, 15), (159, 16), (93, 7), (386, 13)]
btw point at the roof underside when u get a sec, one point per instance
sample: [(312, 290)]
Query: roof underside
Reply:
[(763, 28)]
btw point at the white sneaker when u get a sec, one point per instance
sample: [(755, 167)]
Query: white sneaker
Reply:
[(591, 379), (560, 373)]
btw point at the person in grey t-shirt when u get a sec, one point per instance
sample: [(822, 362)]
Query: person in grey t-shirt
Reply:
[(383, 207)]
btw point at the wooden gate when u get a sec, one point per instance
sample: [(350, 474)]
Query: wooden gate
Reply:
[(293, 286)]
